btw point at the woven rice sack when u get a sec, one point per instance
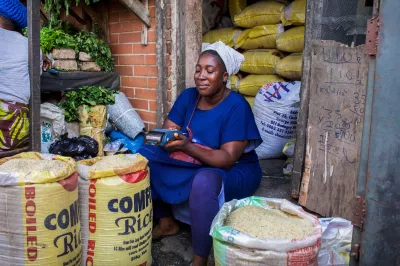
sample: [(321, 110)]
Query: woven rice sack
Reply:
[(116, 210), (233, 247), (225, 35), (261, 62), (250, 100), (291, 41), (258, 14), (251, 84), (260, 37), (295, 13), (236, 6), (39, 214), (290, 67)]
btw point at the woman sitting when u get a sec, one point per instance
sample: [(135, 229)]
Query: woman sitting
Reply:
[(216, 153)]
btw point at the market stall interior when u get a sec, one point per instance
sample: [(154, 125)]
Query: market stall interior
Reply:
[(77, 110)]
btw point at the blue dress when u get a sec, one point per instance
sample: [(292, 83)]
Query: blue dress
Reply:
[(231, 120)]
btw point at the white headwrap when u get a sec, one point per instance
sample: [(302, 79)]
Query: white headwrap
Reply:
[(232, 59)]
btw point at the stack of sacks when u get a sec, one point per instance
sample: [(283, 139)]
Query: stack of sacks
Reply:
[(271, 53), (262, 27)]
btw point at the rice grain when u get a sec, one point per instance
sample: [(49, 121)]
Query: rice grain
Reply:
[(268, 223), (27, 166), (114, 161)]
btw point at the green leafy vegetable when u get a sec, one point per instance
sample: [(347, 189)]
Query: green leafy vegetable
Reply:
[(52, 38), (97, 49), (86, 95)]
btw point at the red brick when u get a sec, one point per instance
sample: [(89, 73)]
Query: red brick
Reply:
[(169, 47), (168, 60), (147, 71), (147, 116), (113, 17), (150, 126), (128, 16), (133, 82), (153, 24), (115, 60), (137, 25), (121, 27), (132, 60), (151, 60), (114, 38), (124, 70), (152, 83), (168, 36), (168, 11), (151, 36), (130, 37), (145, 94), (121, 49), (152, 11), (129, 92), (169, 96), (152, 3), (153, 106), (168, 23), (144, 49), (115, 6), (139, 104)]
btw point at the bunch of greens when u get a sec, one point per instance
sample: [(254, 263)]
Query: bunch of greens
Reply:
[(52, 38), (82, 41), (86, 95), (97, 49)]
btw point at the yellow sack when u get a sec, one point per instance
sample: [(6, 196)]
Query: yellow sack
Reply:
[(251, 84), (236, 6), (234, 82), (260, 37), (290, 67), (261, 62), (258, 14), (291, 41), (250, 100), (116, 211), (225, 35), (295, 13), (39, 214), (92, 122)]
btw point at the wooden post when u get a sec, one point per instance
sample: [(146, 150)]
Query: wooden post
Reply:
[(193, 37), (34, 73)]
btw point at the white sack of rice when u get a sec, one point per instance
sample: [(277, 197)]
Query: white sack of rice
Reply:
[(266, 223)]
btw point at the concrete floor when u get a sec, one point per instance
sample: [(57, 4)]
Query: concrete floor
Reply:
[(176, 250)]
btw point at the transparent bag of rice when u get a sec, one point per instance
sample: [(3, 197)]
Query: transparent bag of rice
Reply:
[(265, 231)]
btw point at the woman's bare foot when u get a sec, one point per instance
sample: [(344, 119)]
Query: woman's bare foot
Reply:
[(165, 227), (199, 261)]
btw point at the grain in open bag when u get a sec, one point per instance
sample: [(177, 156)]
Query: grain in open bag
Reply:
[(251, 84), (258, 14), (260, 37), (261, 62), (116, 210), (39, 214), (233, 247), (290, 67), (295, 13), (291, 41), (225, 35)]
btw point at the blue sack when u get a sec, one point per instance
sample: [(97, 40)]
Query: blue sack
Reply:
[(132, 145)]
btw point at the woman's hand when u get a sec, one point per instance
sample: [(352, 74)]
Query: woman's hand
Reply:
[(180, 143)]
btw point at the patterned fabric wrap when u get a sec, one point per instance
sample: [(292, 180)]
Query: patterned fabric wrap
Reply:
[(14, 125)]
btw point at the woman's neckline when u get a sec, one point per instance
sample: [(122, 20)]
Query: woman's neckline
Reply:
[(223, 100)]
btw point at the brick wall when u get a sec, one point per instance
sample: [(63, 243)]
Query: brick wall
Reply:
[(136, 63)]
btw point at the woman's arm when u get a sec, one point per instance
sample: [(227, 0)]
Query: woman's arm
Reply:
[(223, 158), (168, 124)]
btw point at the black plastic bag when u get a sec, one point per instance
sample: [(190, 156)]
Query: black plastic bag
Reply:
[(80, 148)]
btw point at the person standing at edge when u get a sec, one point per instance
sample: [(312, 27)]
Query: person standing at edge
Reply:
[(14, 76), (218, 154)]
